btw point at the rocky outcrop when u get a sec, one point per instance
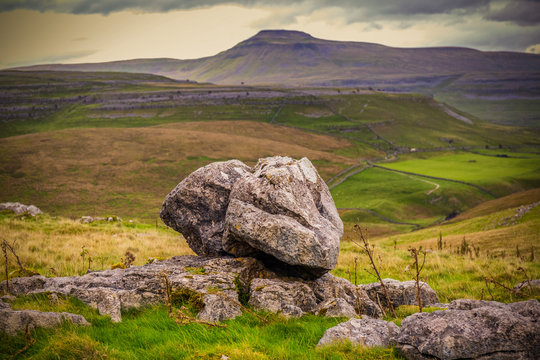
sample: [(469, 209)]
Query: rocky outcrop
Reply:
[(365, 331), (13, 322), (111, 291), (196, 207), (401, 293), (284, 209), (473, 329), (20, 209), (280, 211), (218, 282), (328, 295)]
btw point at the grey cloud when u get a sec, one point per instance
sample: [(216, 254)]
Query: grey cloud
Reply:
[(523, 12), (388, 7)]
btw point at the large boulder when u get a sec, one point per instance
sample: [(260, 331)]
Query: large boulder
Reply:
[(365, 331), (401, 292), (196, 207), (283, 212), (482, 330)]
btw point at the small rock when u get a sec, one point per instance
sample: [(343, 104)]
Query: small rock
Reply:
[(528, 285), (401, 292), (105, 300), (483, 330), (292, 311), (217, 308), (20, 209), (274, 294), (365, 331), (13, 322), (335, 308), (329, 287)]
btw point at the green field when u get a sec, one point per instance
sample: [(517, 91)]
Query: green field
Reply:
[(405, 198), (502, 176)]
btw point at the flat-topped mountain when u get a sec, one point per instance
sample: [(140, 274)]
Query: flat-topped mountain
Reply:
[(296, 58)]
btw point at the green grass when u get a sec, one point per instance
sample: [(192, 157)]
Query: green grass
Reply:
[(405, 198), (499, 175), (151, 334)]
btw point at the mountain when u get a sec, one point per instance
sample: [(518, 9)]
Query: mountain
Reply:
[(296, 58)]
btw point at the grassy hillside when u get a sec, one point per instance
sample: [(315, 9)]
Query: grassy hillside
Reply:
[(128, 172), (496, 250)]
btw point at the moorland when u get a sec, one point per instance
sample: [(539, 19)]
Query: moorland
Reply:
[(412, 168)]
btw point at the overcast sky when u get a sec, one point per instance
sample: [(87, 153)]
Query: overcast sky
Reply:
[(73, 31)]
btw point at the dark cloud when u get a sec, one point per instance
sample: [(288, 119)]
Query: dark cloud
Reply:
[(370, 8), (523, 12)]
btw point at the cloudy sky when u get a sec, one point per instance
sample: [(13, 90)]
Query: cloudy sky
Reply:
[(72, 31)]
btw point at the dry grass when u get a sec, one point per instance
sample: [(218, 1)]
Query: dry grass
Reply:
[(54, 246), (506, 202), (128, 172)]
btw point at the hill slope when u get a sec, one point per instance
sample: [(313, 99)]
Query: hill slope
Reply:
[(293, 57)]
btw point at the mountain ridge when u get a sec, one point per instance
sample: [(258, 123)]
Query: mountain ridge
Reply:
[(286, 57)]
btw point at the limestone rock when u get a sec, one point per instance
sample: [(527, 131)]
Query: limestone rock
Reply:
[(528, 285), (196, 207), (284, 209), (217, 308), (292, 311), (365, 331), (13, 322), (105, 300), (486, 331), (112, 291), (335, 308), (275, 295), (329, 287), (20, 209), (401, 292)]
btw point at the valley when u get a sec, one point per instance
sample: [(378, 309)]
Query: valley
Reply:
[(410, 170)]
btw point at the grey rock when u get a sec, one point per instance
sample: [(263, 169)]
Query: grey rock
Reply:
[(20, 209), (105, 300), (489, 331), (469, 304), (196, 207), (292, 311), (401, 293), (335, 308), (218, 308), (112, 291), (275, 294), (329, 287), (284, 209), (7, 298), (13, 322), (526, 286), (365, 331)]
